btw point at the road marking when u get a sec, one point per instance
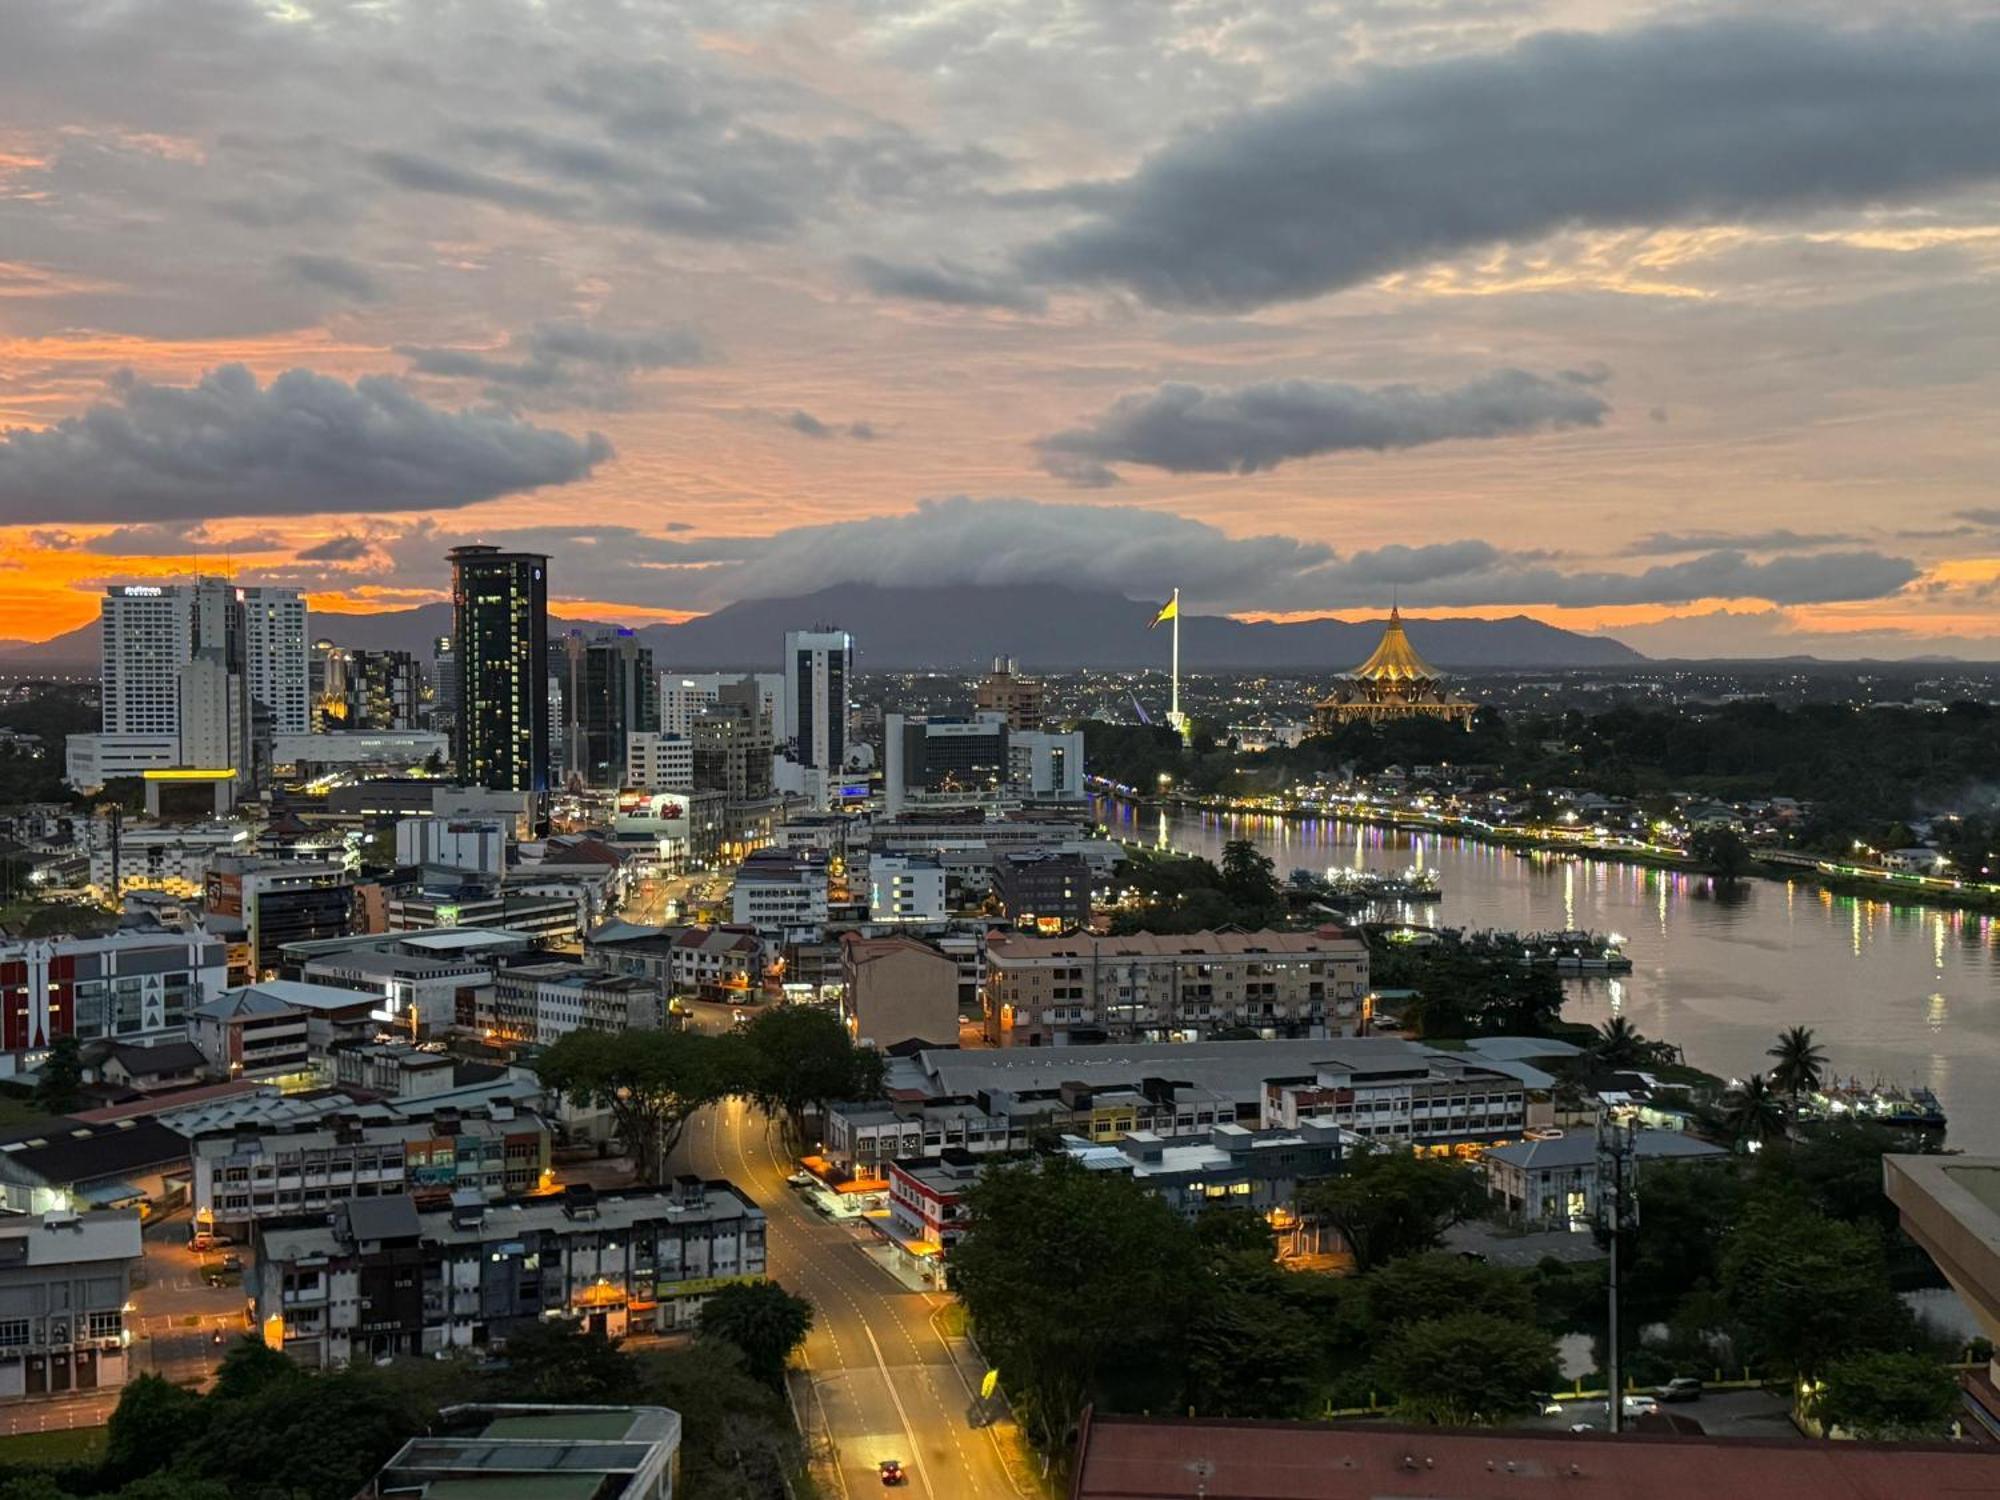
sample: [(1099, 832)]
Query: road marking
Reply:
[(897, 1397)]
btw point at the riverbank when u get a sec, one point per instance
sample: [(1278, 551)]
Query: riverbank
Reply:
[(1779, 866)]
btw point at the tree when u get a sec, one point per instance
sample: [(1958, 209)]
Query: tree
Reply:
[(737, 1438), (310, 1437), (1618, 1044), (1722, 852), (559, 1361), (651, 1081), (798, 1059), (1837, 1166), (1251, 1353), (1888, 1395), (1080, 1286), (1248, 875), (1390, 1203), (1754, 1112), (59, 1080), (250, 1367), (764, 1321), (1806, 1290), (1416, 1287), (1467, 1368), (153, 1420), (1796, 1063)]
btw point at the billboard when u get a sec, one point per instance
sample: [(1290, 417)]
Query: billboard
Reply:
[(664, 813)]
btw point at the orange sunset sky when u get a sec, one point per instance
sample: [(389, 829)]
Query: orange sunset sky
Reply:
[(1678, 322)]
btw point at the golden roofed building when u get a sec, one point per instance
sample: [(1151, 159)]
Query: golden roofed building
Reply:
[(1394, 683)]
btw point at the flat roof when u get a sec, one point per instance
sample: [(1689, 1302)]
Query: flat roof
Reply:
[(1141, 1458), (1578, 1147), (1236, 1068)]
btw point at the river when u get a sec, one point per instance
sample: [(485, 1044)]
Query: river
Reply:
[(1895, 994)]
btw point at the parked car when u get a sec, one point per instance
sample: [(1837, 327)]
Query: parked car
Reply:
[(1639, 1406), (1551, 1406), (801, 1179), (1680, 1388)]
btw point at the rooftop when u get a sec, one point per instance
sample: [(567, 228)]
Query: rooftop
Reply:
[(1009, 945), (1579, 1148), (65, 1239), (537, 1453), (1140, 1458)]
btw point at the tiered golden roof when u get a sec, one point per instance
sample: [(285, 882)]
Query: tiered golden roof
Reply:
[(1394, 658), (1394, 683)]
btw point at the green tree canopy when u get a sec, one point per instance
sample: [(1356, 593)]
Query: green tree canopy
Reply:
[(153, 1421), (1415, 1287), (1467, 1368), (559, 1361), (1796, 1063), (1391, 1203), (1888, 1394), (1722, 852), (651, 1081), (59, 1080), (1807, 1290), (1078, 1283), (799, 1059), (764, 1321)]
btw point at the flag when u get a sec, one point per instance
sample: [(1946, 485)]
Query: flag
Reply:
[(1171, 612)]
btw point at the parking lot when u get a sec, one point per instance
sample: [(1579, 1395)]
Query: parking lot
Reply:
[(1754, 1413)]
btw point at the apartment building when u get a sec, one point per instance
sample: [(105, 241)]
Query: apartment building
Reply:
[(253, 1173), (908, 889), (544, 1002), (65, 1279), (1382, 1089), (896, 990), (782, 896), (1044, 992), (659, 762), (385, 1276), (710, 963), (119, 987), (1043, 890)]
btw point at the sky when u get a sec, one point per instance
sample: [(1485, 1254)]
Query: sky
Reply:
[(1679, 322)]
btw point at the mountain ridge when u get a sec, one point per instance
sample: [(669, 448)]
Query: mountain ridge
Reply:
[(1044, 627)]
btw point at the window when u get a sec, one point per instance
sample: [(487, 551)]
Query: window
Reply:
[(13, 1333), (106, 1325)]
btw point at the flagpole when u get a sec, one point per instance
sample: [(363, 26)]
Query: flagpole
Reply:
[(1174, 690)]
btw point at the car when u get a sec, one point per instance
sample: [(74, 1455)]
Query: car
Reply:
[(1551, 1406), (232, 1262), (801, 1180), (892, 1472), (1639, 1406), (1680, 1388)]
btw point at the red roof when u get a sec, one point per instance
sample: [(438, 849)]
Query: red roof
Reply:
[(1140, 1458)]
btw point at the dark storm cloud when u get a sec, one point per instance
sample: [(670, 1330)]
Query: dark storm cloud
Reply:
[(1722, 121), (337, 549), (1191, 429), (334, 273), (1667, 543), (564, 363), (946, 282), (305, 443), (807, 425)]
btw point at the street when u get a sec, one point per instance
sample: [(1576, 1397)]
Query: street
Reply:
[(886, 1382)]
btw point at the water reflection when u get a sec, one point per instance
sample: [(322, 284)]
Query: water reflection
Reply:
[(1896, 993)]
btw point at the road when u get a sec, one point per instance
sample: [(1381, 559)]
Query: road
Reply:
[(884, 1378)]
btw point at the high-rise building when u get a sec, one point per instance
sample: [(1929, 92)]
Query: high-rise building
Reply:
[(500, 612), (194, 676), (363, 691), (939, 761), (1005, 692), (610, 693), (444, 683), (732, 744), (819, 666)]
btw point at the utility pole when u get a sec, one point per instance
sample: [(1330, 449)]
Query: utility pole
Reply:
[(1617, 1212)]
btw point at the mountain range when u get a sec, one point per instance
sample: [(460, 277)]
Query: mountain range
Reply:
[(1042, 626)]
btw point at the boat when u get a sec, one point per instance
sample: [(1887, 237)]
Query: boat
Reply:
[(1361, 887), (1886, 1104)]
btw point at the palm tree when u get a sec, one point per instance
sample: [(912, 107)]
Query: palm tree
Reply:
[(1796, 1063), (1754, 1112), (1618, 1044)]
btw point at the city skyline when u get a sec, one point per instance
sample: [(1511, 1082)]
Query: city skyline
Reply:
[(731, 303)]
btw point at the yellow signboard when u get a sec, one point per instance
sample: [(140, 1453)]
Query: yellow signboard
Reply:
[(701, 1286), (989, 1384)]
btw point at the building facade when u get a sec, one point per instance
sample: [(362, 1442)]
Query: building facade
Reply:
[(386, 1277), (659, 762), (500, 634), (1005, 692), (65, 1280), (119, 987), (896, 990), (1148, 987), (781, 896), (907, 889), (1042, 890), (819, 674), (610, 693)]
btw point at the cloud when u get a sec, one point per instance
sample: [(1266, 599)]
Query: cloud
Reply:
[(947, 282), (423, 174), (565, 363), (1979, 515), (807, 425), (152, 539), (1667, 543), (334, 273), (1190, 429), (304, 444), (346, 547), (1721, 121)]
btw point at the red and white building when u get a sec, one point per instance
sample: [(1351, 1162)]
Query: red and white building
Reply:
[(122, 987)]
